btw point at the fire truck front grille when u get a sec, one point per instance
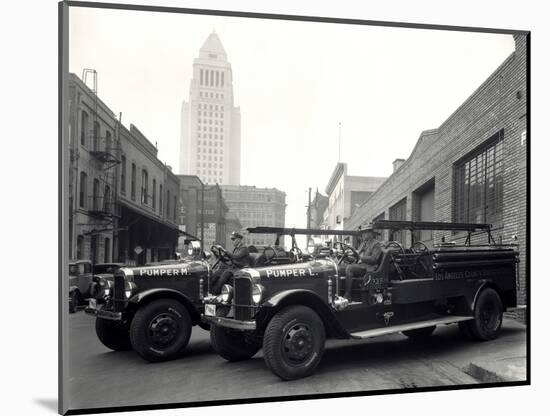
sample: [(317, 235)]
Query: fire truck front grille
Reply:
[(118, 293), (243, 298)]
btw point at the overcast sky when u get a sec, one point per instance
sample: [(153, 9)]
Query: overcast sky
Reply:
[(294, 82)]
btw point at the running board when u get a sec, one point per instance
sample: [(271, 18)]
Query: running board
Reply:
[(370, 333), (516, 308)]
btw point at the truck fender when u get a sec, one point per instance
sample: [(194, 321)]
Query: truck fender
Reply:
[(302, 297), (484, 284), (149, 295)]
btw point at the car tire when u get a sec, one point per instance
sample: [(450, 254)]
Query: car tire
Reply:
[(160, 330), (231, 344), (488, 313), (420, 334), (73, 302), (294, 342), (113, 334)]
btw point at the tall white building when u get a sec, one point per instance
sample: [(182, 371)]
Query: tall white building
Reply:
[(210, 123)]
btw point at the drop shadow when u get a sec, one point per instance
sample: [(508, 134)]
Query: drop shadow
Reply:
[(48, 404)]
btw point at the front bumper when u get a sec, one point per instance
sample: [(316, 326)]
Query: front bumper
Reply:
[(98, 312), (229, 323)]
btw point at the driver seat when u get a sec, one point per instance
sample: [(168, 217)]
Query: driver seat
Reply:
[(256, 259)]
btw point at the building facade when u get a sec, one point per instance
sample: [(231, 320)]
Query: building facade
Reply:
[(256, 207), (148, 202), (210, 123), (345, 194), (123, 200), (94, 154), (472, 168)]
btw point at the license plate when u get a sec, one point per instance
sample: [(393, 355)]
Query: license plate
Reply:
[(92, 303), (210, 310)]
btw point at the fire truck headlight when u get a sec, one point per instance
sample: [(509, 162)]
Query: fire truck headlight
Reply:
[(227, 293), (258, 292)]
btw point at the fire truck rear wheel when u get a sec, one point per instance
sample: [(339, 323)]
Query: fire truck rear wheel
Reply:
[(488, 312), (113, 334), (294, 342), (160, 330)]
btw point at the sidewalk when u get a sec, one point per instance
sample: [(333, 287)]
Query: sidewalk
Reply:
[(508, 361)]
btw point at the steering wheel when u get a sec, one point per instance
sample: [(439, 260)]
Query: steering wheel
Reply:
[(349, 253), (423, 250), (222, 254), (396, 244)]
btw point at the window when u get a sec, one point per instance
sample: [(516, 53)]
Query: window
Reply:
[(123, 174), (398, 212), (80, 247), (144, 186), (160, 199), (478, 184), (106, 198), (108, 142), (154, 193), (202, 76), (97, 132), (133, 182), (107, 249), (82, 190), (83, 127), (95, 195), (222, 81)]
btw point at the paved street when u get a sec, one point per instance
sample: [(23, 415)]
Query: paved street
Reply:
[(100, 377)]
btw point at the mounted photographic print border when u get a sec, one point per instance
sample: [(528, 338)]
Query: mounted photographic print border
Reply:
[(483, 148)]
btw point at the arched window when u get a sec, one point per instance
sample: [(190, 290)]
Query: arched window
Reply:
[(107, 198), (95, 195), (154, 193), (160, 199), (107, 250), (108, 142), (79, 247), (82, 190), (83, 127), (144, 186), (123, 174), (97, 132), (133, 184)]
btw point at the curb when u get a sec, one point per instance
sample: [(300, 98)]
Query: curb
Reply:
[(482, 374)]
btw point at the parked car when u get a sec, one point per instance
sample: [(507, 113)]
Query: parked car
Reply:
[(80, 283), (290, 310)]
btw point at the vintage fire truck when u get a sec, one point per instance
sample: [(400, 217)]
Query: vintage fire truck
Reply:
[(153, 308), (289, 310)]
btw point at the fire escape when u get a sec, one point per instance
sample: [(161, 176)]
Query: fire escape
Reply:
[(106, 151)]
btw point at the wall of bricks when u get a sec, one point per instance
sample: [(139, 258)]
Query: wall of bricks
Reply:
[(499, 103)]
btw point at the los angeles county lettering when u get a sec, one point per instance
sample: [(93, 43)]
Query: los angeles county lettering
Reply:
[(290, 272)]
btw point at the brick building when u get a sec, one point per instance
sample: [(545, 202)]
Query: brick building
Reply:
[(472, 168), (121, 196), (147, 201)]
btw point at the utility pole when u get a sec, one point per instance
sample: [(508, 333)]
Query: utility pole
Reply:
[(308, 212), (202, 215)]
